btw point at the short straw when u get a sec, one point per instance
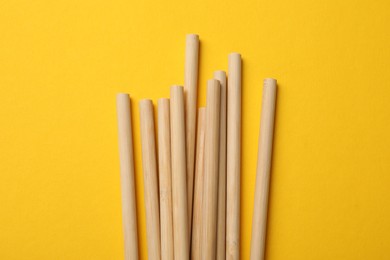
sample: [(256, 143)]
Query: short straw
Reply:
[(259, 221), (221, 226), (190, 100), (233, 167), (129, 215), (164, 165), (149, 167), (211, 174), (179, 184), (196, 249)]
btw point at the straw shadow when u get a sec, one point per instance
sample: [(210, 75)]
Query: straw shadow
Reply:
[(137, 206)]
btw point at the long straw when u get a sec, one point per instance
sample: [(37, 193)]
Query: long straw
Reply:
[(211, 174), (129, 215), (149, 167), (221, 226), (164, 165), (179, 185), (259, 221), (196, 248), (190, 101), (233, 167)]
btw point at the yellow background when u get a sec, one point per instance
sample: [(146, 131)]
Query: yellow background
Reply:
[(62, 62)]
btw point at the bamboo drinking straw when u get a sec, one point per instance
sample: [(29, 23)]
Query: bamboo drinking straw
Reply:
[(196, 249), (149, 166), (221, 226), (179, 185), (259, 220), (233, 167), (164, 164), (190, 98), (129, 215), (211, 174)]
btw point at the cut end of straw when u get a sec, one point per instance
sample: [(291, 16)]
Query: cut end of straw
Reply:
[(235, 55), (269, 81), (176, 88), (192, 36), (145, 101), (212, 82), (162, 101), (122, 94), (122, 97)]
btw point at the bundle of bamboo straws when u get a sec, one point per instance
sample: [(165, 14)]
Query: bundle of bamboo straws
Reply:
[(192, 193)]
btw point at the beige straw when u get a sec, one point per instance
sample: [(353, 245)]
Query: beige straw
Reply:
[(149, 167), (164, 165), (221, 226), (233, 167), (259, 221), (179, 184), (196, 249), (129, 214), (190, 100), (211, 174)]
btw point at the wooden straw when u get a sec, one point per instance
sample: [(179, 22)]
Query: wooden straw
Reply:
[(259, 221), (221, 226), (129, 215), (164, 164), (211, 174), (233, 167), (149, 167), (179, 185), (190, 100), (196, 249)]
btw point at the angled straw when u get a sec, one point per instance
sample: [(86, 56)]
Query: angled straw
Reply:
[(129, 215), (190, 100), (179, 184), (149, 167), (196, 249), (221, 226), (259, 221), (211, 174), (233, 161), (165, 179)]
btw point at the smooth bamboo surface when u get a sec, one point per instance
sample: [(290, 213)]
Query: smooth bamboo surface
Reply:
[(179, 184), (126, 157), (259, 221), (149, 167), (165, 179), (221, 225), (233, 167), (211, 174), (196, 249), (190, 100)]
